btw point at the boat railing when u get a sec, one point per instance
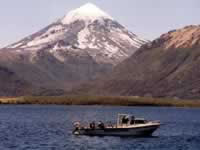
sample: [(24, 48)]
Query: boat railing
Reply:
[(155, 121), (87, 125)]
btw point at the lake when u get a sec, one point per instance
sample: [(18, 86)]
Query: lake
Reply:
[(49, 127)]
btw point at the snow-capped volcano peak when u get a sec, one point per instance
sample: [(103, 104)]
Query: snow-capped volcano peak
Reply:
[(87, 12), (86, 30)]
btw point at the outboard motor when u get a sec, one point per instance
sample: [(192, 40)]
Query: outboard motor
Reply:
[(77, 127)]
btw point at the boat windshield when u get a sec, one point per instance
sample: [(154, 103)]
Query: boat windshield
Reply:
[(140, 121), (126, 119)]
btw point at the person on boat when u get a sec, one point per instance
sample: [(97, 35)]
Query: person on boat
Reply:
[(132, 120), (101, 125), (92, 125), (125, 120), (77, 126)]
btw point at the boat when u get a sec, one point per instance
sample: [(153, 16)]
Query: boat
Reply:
[(127, 125)]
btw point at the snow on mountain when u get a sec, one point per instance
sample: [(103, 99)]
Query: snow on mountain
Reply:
[(88, 12), (48, 36)]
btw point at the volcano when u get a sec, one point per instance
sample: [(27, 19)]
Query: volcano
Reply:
[(84, 44)]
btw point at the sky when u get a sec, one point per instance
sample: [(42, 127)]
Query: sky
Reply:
[(146, 18)]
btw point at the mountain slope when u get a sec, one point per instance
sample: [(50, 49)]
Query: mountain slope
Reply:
[(75, 49), (88, 29), (11, 83), (166, 67)]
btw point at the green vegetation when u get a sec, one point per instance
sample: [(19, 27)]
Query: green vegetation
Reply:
[(101, 100)]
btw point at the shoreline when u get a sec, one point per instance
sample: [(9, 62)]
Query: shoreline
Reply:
[(100, 100)]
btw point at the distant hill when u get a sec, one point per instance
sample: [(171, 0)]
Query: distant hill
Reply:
[(167, 67)]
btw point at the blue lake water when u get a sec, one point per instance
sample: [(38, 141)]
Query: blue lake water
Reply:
[(36, 127)]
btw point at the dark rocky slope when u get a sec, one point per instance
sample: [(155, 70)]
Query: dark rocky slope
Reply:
[(11, 83), (167, 67)]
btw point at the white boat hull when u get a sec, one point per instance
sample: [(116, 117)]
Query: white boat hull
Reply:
[(124, 131)]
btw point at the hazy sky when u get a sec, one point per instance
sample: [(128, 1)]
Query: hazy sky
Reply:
[(146, 18)]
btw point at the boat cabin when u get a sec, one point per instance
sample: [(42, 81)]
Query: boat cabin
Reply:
[(127, 120)]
